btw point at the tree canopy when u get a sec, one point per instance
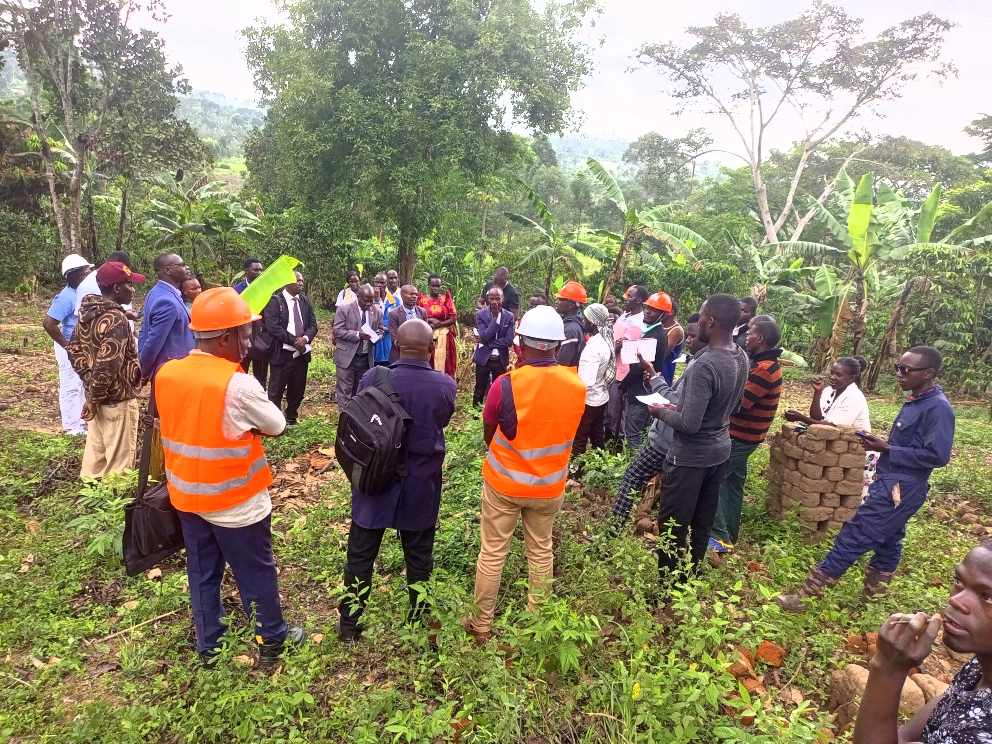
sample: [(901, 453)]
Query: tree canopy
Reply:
[(378, 103)]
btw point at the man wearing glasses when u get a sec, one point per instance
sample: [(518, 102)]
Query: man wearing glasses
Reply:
[(165, 332), (920, 441)]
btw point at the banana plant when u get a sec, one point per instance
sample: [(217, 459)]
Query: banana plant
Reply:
[(555, 251), (197, 213), (652, 223), (877, 228)]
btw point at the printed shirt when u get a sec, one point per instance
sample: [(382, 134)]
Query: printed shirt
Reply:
[(761, 395), (385, 344), (104, 353), (627, 328), (63, 309), (963, 715)]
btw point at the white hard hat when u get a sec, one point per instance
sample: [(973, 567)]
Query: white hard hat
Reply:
[(74, 261), (542, 322)]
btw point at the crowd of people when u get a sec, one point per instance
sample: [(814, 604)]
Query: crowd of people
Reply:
[(551, 383)]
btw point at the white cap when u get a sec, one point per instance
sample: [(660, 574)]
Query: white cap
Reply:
[(542, 322), (74, 261)]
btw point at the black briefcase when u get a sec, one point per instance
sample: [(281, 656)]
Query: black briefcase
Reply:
[(152, 531)]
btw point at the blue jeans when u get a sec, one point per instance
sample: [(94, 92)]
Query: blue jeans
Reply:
[(877, 526), (636, 418), (248, 550)]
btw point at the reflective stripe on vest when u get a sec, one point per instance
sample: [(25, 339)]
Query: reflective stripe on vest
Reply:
[(206, 471), (549, 403), (217, 489), (205, 453)]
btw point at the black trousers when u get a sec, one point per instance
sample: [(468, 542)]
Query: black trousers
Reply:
[(485, 376), (363, 547), (289, 376), (592, 429), (260, 368), (689, 497)]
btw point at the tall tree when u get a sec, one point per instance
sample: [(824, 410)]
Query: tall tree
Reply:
[(95, 84), (665, 166), (982, 129), (813, 64), (379, 102)]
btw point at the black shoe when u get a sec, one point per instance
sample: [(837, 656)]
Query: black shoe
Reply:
[(291, 422), (209, 657), (349, 636), (270, 651)]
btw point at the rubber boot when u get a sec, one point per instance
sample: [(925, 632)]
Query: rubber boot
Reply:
[(876, 584), (270, 651), (816, 582)]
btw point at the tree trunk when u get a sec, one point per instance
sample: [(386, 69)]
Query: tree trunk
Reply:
[(616, 271), (764, 211), (91, 227), (550, 276), (860, 315), (122, 221), (485, 216), (886, 347), (407, 259)]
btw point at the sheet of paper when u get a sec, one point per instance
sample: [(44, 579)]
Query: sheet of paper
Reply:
[(653, 399), (373, 336), (647, 347)]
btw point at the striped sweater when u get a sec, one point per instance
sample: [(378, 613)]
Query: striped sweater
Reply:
[(752, 420)]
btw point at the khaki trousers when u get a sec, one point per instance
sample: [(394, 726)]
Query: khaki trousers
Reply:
[(499, 519), (112, 439)]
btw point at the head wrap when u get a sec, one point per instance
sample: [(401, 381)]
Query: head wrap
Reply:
[(599, 316)]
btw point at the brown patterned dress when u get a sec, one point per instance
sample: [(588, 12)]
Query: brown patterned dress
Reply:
[(104, 352)]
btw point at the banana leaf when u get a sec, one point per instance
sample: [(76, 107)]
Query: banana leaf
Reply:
[(928, 215), (859, 220), (608, 182)]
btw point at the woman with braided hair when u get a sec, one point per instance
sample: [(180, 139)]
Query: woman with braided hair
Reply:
[(597, 370)]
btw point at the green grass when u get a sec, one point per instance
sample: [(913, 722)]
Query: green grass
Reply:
[(612, 657)]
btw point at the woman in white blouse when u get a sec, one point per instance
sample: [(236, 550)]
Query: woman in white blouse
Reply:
[(841, 404), (598, 370)]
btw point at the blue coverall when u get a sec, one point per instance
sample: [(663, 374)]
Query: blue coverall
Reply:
[(920, 441)]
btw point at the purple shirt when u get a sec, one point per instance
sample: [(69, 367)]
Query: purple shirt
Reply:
[(413, 502)]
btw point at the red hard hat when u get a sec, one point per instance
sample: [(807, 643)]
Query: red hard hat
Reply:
[(660, 301), (573, 291)]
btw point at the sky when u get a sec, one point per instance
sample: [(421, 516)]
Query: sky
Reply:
[(205, 37)]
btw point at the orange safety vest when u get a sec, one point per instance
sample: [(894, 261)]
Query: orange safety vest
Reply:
[(206, 471), (549, 403)]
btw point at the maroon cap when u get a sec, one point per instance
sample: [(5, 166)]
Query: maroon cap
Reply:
[(114, 272)]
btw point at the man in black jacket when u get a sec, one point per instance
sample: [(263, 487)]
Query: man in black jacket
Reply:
[(569, 300), (636, 415), (291, 325)]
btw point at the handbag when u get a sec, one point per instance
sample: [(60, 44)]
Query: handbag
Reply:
[(152, 531)]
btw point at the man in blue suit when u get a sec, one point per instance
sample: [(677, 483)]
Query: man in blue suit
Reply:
[(165, 332), (494, 326)]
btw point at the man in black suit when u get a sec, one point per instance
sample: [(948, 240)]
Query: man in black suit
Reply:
[(408, 310), (291, 325)]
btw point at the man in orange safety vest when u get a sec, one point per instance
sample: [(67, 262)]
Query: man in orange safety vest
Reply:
[(212, 415), (530, 417)]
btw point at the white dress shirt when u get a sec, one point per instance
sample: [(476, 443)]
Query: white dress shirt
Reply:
[(291, 325)]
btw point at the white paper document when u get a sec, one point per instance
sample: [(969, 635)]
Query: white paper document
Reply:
[(653, 399), (647, 346), (373, 336)]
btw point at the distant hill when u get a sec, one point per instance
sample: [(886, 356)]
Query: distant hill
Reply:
[(222, 122), (572, 151)]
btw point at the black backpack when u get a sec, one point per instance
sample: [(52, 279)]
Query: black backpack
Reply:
[(373, 437)]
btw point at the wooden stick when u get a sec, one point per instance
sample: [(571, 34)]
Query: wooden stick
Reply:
[(133, 627)]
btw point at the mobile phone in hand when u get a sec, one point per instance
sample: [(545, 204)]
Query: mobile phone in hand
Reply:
[(861, 434)]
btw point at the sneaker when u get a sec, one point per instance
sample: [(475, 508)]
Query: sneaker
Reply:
[(719, 546)]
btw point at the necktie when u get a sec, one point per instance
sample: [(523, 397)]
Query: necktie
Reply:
[(363, 348), (297, 318)]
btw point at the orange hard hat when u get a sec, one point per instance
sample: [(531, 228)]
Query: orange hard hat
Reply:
[(573, 291), (218, 309), (660, 301)]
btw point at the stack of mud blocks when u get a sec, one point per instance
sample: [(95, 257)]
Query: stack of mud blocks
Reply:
[(817, 475)]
